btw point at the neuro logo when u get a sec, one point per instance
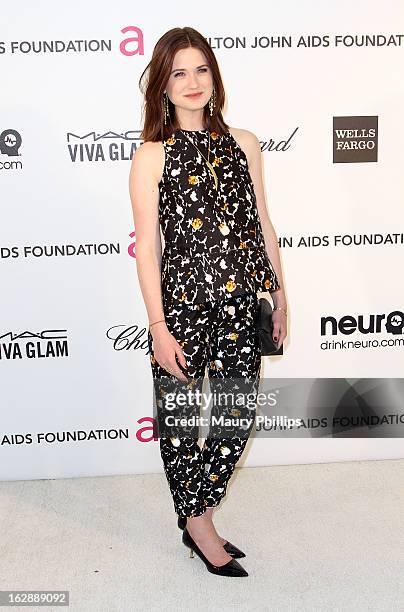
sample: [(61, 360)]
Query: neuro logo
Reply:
[(392, 323), (10, 142), (395, 322), (355, 139)]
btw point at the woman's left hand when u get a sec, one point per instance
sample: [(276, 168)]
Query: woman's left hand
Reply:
[(280, 324)]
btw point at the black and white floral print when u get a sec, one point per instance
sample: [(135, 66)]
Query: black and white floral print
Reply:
[(213, 242), (220, 336)]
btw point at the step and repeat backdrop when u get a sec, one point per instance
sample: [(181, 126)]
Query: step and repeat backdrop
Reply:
[(321, 86)]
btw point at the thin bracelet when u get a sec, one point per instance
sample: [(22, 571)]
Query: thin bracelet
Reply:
[(159, 321), (283, 310)]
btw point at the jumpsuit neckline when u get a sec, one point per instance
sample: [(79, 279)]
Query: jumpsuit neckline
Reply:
[(193, 131)]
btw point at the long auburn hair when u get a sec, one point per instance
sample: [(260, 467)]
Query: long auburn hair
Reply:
[(157, 74)]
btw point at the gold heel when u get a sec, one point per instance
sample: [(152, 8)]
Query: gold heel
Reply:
[(191, 553)]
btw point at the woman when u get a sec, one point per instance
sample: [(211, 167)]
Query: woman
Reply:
[(201, 181)]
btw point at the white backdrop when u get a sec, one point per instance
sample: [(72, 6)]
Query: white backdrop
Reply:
[(68, 274)]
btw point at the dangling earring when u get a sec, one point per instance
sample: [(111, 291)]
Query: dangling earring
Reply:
[(165, 107), (212, 101)]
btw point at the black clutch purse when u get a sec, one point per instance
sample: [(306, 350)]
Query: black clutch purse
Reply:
[(265, 328)]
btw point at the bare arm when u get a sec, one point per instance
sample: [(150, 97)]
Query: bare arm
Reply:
[(144, 194), (252, 148), (253, 152)]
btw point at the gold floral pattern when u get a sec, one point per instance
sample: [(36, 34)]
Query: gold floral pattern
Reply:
[(197, 223), (193, 180), (230, 285)]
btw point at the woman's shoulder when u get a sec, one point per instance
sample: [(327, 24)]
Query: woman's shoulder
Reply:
[(150, 155), (243, 135), (148, 148), (246, 140)]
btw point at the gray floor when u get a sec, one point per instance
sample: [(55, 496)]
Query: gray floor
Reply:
[(318, 537)]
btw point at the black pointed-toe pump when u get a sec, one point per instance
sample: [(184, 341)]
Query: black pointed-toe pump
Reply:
[(231, 568), (232, 550)]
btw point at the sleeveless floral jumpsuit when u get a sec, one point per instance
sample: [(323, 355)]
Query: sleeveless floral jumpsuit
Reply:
[(214, 261)]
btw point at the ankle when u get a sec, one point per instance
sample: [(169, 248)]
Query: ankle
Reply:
[(197, 521), (200, 525), (200, 519), (209, 512)]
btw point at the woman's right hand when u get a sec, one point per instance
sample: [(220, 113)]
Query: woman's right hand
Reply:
[(166, 349)]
